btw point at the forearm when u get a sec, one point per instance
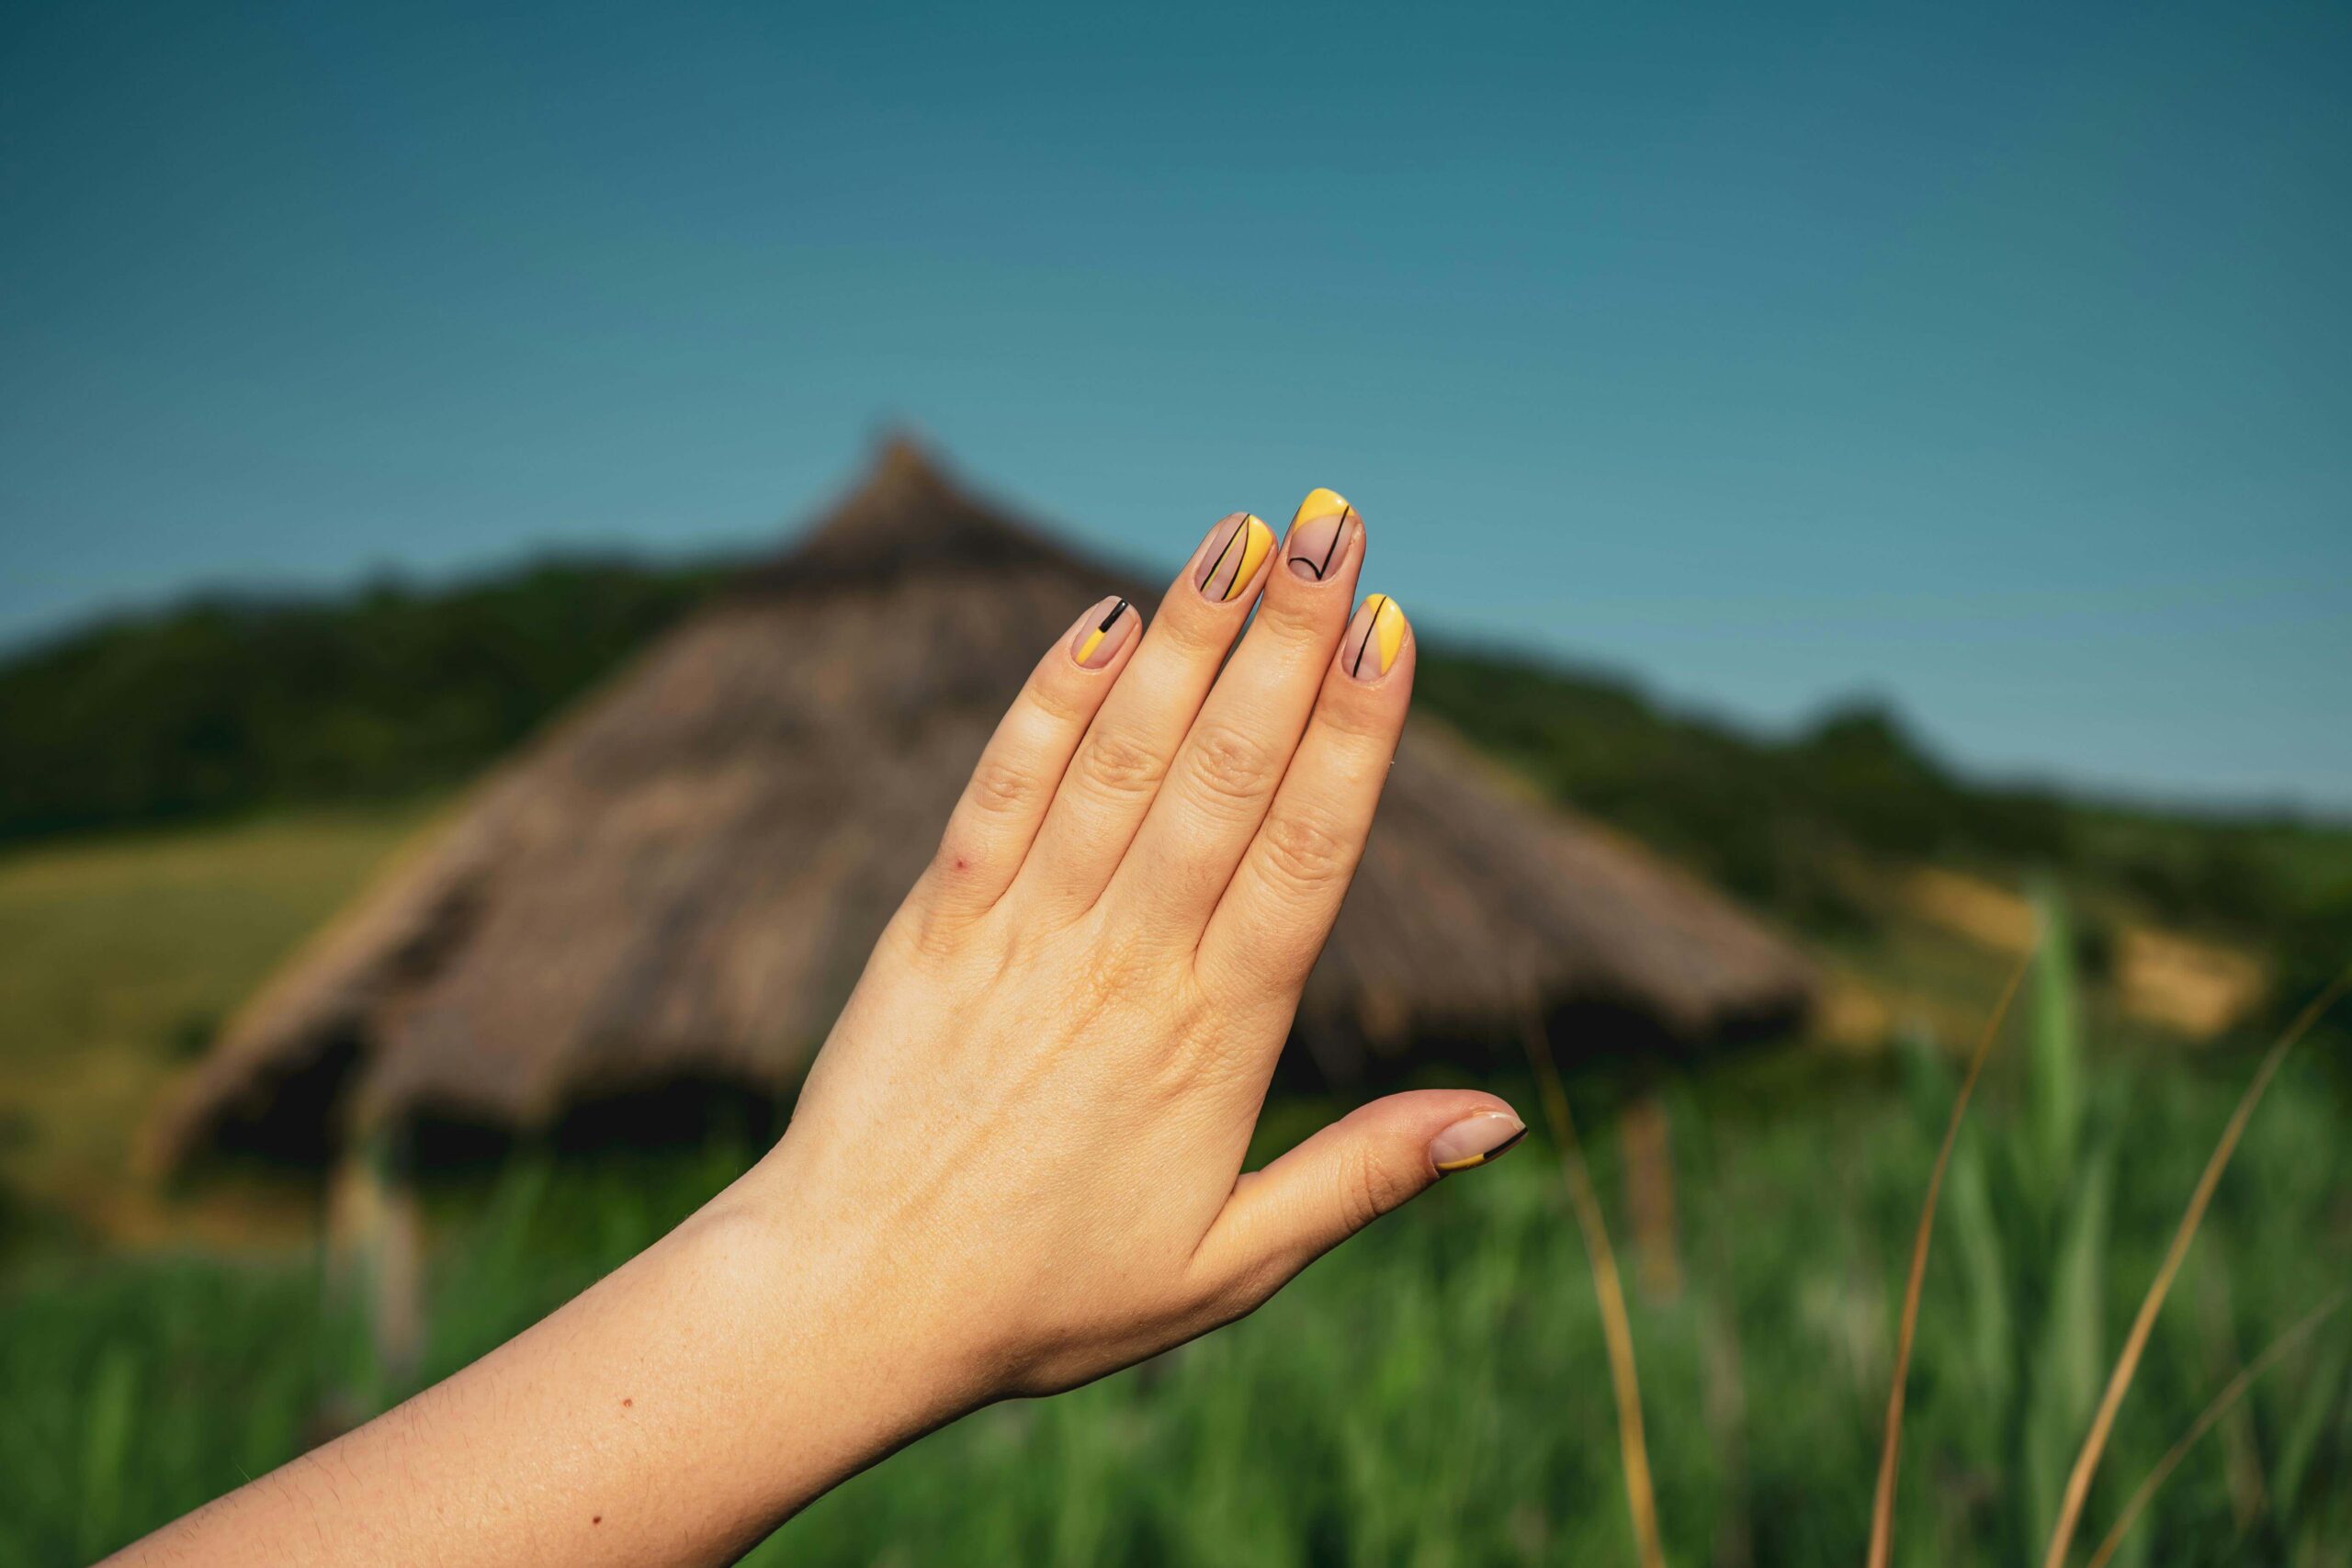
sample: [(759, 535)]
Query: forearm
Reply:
[(673, 1414)]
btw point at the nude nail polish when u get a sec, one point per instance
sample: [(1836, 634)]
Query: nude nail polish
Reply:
[(1476, 1140), (1373, 638), (1104, 631), (1231, 557), (1318, 535)]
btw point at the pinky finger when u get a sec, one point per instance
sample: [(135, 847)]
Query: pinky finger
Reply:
[(996, 817)]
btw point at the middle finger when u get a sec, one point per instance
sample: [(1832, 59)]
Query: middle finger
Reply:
[(1218, 786)]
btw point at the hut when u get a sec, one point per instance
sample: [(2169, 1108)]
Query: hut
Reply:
[(678, 881)]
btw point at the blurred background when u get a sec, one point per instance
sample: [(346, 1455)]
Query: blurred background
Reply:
[(513, 525)]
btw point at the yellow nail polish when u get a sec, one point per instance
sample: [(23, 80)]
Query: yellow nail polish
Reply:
[(1253, 555), (1375, 638), (1449, 1166), (1476, 1141), (1100, 639), (1318, 534), (1236, 561)]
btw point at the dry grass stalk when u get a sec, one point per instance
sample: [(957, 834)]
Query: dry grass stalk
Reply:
[(1890, 1451), (1616, 1327), (1643, 1139), (2223, 1403), (2078, 1482)]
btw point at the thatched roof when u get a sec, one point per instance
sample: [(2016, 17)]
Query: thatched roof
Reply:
[(681, 878)]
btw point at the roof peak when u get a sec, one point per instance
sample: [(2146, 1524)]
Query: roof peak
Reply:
[(905, 515), (901, 462)]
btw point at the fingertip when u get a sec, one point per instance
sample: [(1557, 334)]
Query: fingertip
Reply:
[(1379, 637), (1104, 632), (1480, 1138), (1376, 1159), (1324, 533), (1231, 558)]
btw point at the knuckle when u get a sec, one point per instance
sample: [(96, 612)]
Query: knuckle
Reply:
[(1240, 1294), (1194, 626), (1356, 717), (1292, 619), (925, 930), (1061, 703), (1121, 765), (1305, 847), (1226, 767), (1002, 788), (1367, 1190)]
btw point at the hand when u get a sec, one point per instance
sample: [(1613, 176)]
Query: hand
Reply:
[(1030, 1120), (1017, 1164)]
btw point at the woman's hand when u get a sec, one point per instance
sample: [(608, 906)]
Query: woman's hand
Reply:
[(1033, 1112), (1017, 1162)]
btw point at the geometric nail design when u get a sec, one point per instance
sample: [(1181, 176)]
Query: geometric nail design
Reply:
[(1476, 1141), (1373, 638), (1099, 640), (1235, 548), (1318, 534)]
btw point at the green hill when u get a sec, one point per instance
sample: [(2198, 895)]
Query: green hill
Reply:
[(224, 707)]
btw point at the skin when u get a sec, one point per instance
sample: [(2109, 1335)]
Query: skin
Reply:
[(1016, 1165)]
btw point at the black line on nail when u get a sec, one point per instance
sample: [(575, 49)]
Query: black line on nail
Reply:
[(1239, 529), (1337, 534), (1116, 611), (1374, 605), (1233, 588), (1502, 1149)]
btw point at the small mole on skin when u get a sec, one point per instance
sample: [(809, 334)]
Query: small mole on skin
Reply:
[(597, 1521), (627, 1402), (961, 864)]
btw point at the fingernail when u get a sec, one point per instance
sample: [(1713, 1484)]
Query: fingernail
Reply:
[(1104, 631), (1476, 1140), (1373, 637), (1231, 555), (1318, 534)]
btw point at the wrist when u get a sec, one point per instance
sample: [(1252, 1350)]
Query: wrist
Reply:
[(832, 1358)]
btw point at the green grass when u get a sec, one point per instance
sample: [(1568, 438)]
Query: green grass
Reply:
[(1435, 1392), (119, 956)]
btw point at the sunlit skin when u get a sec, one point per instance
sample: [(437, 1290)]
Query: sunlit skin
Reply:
[(1016, 1165)]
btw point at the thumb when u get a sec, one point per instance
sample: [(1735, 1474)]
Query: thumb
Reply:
[(1282, 1218)]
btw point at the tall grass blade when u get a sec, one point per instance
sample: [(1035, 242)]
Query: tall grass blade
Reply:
[(2054, 1046), (2062, 1379), (2078, 1483), (2212, 1414), (112, 1413), (2326, 1395), (1615, 1326), (1989, 1282), (1890, 1451)]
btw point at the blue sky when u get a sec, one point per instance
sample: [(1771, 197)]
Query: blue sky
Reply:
[(1992, 359)]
